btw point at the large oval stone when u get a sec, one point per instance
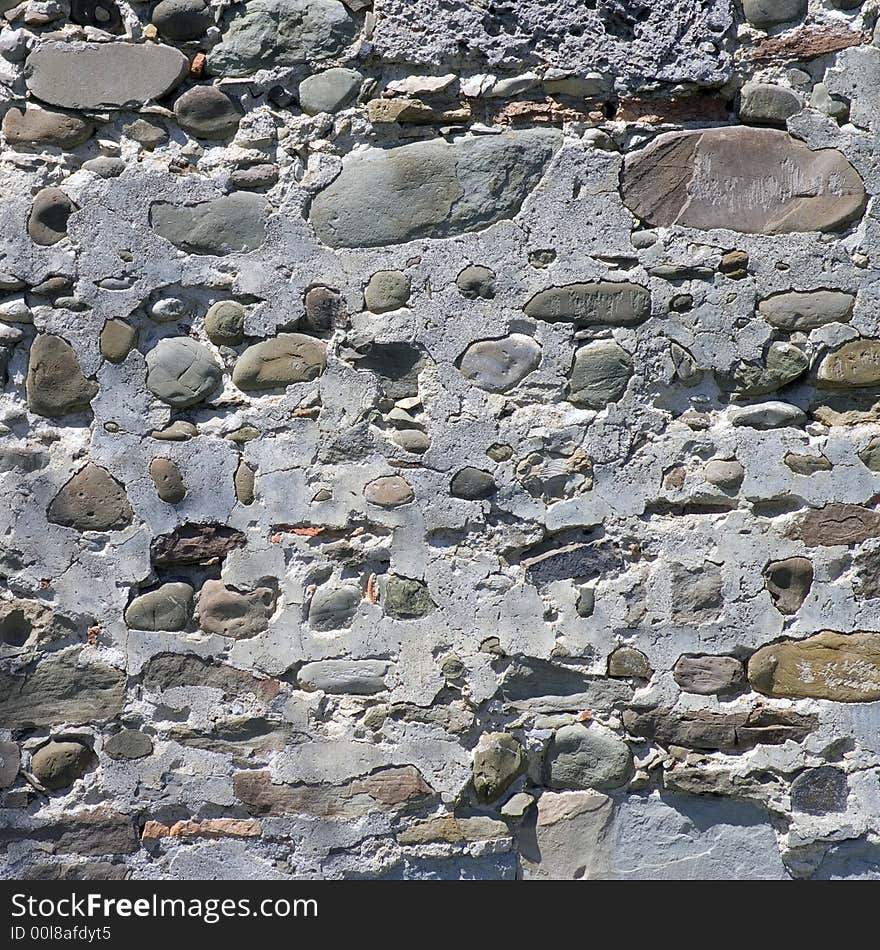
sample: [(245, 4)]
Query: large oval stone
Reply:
[(285, 359), (45, 127), (169, 607), (59, 764), (600, 374), (499, 365), (231, 613), (602, 301), (226, 225), (755, 181), (103, 75), (843, 667), (181, 372), (430, 189), (581, 758)]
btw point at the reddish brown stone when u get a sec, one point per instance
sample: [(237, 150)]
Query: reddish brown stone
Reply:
[(837, 523), (802, 45)]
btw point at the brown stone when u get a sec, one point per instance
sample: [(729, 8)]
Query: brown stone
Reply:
[(708, 675), (209, 828), (837, 523), (843, 667), (117, 340), (856, 364), (45, 127), (803, 45), (628, 661), (195, 544), (91, 501), (751, 180), (389, 491), (454, 830), (788, 583), (168, 480), (55, 382)]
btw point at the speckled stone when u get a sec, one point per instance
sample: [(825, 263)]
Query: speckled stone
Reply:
[(387, 290), (600, 374), (55, 382), (582, 758), (91, 501), (235, 614), (389, 491), (224, 323), (129, 744), (168, 480)]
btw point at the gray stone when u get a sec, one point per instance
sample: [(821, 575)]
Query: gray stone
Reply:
[(625, 662), (50, 211), (783, 364), (387, 290), (169, 607), (266, 34), (697, 595), (168, 480), (765, 103), (725, 473), (351, 677), (231, 613), (244, 481), (604, 302), (795, 310), (166, 671), (788, 582), (768, 415), (181, 20), (281, 361), (600, 374), (105, 167), (870, 454), (324, 309), (10, 760), (687, 179), (91, 501), (708, 675), (430, 189), (476, 282), (224, 323), (500, 365), (412, 440), (499, 760), (103, 75), (472, 484), (55, 382), (182, 372), (405, 598), (586, 758), (820, 791), (58, 765), (208, 113), (329, 91), (766, 13), (42, 127), (552, 561), (389, 491), (222, 226), (808, 464), (101, 14), (263, 175), (332, 606), (129, 744), (60, 689), (149, 134)]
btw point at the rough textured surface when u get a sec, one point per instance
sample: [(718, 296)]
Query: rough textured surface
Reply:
[(439, 439)]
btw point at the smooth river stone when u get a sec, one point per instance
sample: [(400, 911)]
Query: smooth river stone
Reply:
[(582, 758), (389, 491), (285, 359), (232, 223), (169, 607), (766, 13), (755, 181), (600, 374), (854, 365), (431, 189), (50, 211), (842, 667), (58, 765), (181, 372), (55, 382), (329, 91), (796, 310), (266, 34), (45, 127), (168, 480), (207, 113), (499, 365), (230, 613), (614, 304), (91, 501), (103, 75)]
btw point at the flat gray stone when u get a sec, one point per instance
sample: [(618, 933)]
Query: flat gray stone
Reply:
[(103, 75), (128, 744), (742, 179), (795, 310), (10, 760), (498, 366), (766, 13), (765, 103), (55, 383), (61, 689), (329, 91), (208, 113), (767, 415), (231, 613), (91, 501), (266, 34), (42, 127), (281, 361), (351, 677), (169, 607), (227, 225), (580, 758), (605, 302), (182, 372), (708, 675), (600, 374), (430, 189)]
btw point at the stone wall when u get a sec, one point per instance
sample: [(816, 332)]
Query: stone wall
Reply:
[(440, 439)]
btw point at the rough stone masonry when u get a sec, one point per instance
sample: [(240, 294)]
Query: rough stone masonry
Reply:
[(440, 439)]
